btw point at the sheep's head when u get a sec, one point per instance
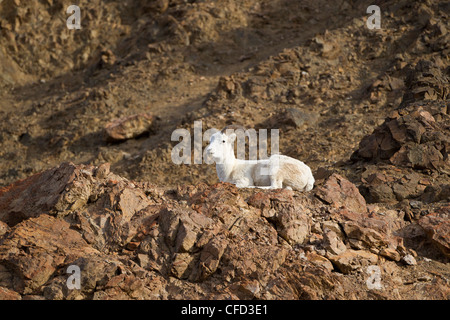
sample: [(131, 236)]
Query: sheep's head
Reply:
[(221, 144)]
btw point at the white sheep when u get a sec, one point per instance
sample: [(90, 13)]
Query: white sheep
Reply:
[(277, 171)]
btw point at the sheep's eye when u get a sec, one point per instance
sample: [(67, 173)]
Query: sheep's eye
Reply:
[(223, 141)]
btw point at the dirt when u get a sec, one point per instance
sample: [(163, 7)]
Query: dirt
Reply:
[(368, 105)]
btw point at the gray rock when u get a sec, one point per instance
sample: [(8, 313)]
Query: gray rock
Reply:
[(300, 118), (409, 260)]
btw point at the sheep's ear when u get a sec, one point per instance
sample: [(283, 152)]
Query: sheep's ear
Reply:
[(232, 137)]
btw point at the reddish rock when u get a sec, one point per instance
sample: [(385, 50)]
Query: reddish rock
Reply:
[(263, 200), (319, 260), (437, 227), (332, 243), (363, 238), (6, 294), (128, 127), (40, 193), (49, 242), (390, 253), (352, 260), (139, 241), (289, 215), (339, 192), (413, 139)]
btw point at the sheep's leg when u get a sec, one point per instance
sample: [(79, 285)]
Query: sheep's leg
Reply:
[(276, 183), (244, 183)]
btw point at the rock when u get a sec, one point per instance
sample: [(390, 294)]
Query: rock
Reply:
[(437, 228), (436, 193), (102, 171), (319, 260), (339, 192), (409, 260), (137, 241), (396, 83), (427, 81), (406, 187), (327, 48), (128, 127), (158, 6), (43, 192), (420, 156), (332, 243), (378, 145), (6, 294), (378, 189), (392, 184), (414, 139), (4, 228), (352, 260), (210, 257), (263, 201), (49, 241), (369, 231), (247, 289), (389, 253), (322, 174), (248, 261), (363, 238), (291, 219), (299, 118), (293, 225), (107, 59), (183, 265), (333, 226), (419, 142)]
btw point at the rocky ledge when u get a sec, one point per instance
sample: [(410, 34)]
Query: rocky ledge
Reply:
[(133, 240)]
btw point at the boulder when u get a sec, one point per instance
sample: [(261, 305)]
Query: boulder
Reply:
[(36, 247), (332, 243), (437, 228), (45, 192), (339, 192), (353, 260), (299, 118), (411, 137), (6, 294), (290, 216), (128, 127)]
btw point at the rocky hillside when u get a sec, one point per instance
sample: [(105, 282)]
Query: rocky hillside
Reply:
[(87, 179), (140, 241)]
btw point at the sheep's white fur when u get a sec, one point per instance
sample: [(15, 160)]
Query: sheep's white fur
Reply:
[(277, 171)]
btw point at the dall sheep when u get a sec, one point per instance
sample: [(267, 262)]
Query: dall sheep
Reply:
[(276, 172)]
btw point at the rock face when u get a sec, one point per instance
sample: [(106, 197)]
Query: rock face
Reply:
[(137, 241), (410, 137), (437, 227), (400, 155)]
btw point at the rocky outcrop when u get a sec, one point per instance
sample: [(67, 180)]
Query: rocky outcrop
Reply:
[(138, 241), (411, 137), (407, 157), (437, 227)]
